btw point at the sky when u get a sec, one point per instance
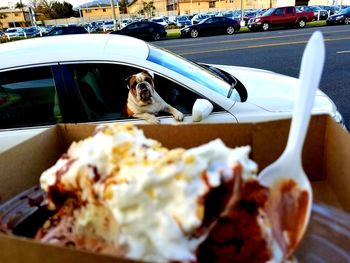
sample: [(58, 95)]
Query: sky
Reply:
[(74, 3)]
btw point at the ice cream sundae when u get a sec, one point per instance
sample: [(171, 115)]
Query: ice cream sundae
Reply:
[(121, 193)]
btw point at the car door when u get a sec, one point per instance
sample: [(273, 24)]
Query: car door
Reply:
[(130, 30), (144, 30), (103, 93), (223, 23), (278, 17), (210, 26), (290, 15)]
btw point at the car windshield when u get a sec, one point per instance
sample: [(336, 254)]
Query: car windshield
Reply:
[(345, 11), (269, 12), (182, 18), (188, 69)]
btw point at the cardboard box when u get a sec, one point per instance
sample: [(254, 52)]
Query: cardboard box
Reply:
[(326, 156)]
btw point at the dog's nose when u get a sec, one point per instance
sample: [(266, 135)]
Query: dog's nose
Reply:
[(143, 87)]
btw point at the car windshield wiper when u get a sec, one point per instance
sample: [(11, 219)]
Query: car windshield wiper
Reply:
[(234, 83)]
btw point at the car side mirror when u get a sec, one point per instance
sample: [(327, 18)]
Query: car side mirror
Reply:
[(201, 110)]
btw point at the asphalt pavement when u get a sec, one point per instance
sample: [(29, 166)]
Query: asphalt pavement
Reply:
[(279, 51)]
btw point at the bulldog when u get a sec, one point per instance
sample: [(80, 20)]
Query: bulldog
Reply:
[(143, 100)]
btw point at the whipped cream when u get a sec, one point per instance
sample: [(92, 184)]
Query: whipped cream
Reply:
[(141, 196)]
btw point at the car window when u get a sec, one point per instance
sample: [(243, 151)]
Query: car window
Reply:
[(103, 90), (56, 31), (209, 21), (145, 25), (289, 10), (279, 11), (28, 98), (132, 26), (189, 69), (177, 96)]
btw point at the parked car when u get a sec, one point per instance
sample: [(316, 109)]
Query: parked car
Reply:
[(160, 20), (31, 32), (197, 18), (331, 9), (67, 30), (182, 21), (319, 13), (143, 30), (211, 26), (282, 16), (82, 78), (125, 22), (343, 17), (108, 26), (14, 32)]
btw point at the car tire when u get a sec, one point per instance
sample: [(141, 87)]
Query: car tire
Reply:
[(301, 23), (265, 26), (230, 30), (155, 36), (347, 21), (194, 33)]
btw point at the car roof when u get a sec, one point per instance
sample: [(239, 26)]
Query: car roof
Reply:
[(71, 48)]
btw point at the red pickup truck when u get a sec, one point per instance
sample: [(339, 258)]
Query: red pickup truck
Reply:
[(280, 16)]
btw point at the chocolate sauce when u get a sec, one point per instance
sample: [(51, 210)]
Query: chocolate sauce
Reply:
[(237, 237), (287, 210), (97, 175)]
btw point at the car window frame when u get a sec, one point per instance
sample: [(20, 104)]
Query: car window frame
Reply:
[(120, 63)]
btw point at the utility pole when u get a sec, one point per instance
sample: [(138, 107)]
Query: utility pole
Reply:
[(242, 13), (113, 14)]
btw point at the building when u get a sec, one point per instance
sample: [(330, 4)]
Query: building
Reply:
[(98, 12), (14, 18), (171, 7)]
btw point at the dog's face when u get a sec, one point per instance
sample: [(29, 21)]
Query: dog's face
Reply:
[(141, 86)]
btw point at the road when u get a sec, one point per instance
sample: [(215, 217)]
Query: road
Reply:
[(279, 51)]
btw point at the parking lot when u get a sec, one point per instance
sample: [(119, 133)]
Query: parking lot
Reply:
[(279, 51)]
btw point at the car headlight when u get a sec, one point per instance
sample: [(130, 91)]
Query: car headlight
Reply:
[(257, 19), (186, 29), (339, 17)]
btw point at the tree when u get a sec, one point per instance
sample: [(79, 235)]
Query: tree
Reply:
[(2, 16), (123, 6), (147, 9), (63, 10), (20, 5), (45, 7), (53, 9)]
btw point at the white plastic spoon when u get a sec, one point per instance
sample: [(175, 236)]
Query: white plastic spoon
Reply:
[(289, 164)]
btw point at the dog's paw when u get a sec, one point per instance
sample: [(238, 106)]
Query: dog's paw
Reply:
[(178, 116), (153, 120)]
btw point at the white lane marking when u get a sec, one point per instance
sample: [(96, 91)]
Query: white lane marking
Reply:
[(345, 51)]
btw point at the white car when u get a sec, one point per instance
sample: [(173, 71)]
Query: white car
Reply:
[(160, 20), (14, 32), (108, 26), (82, 78), (125, 22)]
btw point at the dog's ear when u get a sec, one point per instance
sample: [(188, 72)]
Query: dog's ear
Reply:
[(130, 82)]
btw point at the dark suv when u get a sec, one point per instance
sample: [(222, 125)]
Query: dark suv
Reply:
[(67, 30), (144, 30)]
